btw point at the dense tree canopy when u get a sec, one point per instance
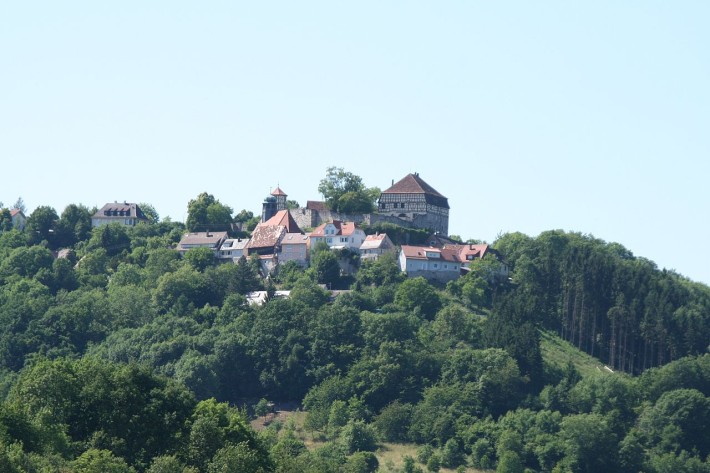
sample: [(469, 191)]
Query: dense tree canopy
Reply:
[(206, 213), (345, 192), (124, 356)]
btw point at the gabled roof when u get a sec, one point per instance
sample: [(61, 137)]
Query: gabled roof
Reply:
[(341, 228), (420, 253), (203, 238), (278, 191), (466, 251), (14, 212), (373, 242), (284, 218), (266, 236), (316, 205), (413, 184), (114, 210), (295, 239), (234, 244)]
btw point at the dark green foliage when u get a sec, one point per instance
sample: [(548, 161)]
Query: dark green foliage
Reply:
[(393, 421), (417, 296), (678, 421), (325, 267), (42, 225), (398, 234), (200, 258), (86, 340), (205, 213)]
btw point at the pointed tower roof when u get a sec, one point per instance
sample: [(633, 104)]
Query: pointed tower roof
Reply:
[(413, 184), (278, 191), (284, 219)]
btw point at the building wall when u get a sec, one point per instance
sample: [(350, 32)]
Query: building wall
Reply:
[(438, 222), (128, 221), (297, 253)]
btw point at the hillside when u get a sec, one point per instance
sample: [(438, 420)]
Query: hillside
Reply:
[(124, 356)]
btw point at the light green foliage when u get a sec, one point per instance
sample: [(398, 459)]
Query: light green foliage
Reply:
[(345, 192), (509, 463), (150, 212), (100, 461)]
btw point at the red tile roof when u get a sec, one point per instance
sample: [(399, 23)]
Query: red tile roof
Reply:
[(14, 212), (284, 218), (374, 241), (464, 251), (316, 205), (278, 191), (420, 252), (266, 236), (413, 184), (341, 228)]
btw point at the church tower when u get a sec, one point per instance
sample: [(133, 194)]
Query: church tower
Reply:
[(272, 204)]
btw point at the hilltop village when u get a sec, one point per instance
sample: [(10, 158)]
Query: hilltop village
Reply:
[(303, 339), (286, 234)]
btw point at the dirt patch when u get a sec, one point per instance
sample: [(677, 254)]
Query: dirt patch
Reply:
[(280, 412)]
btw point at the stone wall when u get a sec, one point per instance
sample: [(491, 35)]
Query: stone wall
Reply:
[(307, 218)]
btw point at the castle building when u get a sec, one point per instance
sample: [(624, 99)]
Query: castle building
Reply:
[(413, 200)]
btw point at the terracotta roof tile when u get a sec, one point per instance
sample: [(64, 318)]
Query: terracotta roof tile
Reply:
[(413, 184), (278, 191), (316, 205), (284, 218)]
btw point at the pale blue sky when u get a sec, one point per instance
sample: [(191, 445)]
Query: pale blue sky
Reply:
[(528, 116)]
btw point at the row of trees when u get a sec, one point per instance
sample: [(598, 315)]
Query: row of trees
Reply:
[(607, 302)]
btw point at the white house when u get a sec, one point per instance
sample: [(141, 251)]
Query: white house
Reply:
[(211, 240), (375, 245), (439, 264), (338, 235), (232, 249), (124, 213)]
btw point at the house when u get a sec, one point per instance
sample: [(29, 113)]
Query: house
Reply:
[(412, 199), (124, 213), (211, 240), (265, 239), (232, 249), (469, 253), (438, 264), (338, 235), (18, 219), (294, 247), (375, 245)]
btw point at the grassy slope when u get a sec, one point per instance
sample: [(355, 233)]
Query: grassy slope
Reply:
[(557, 352)]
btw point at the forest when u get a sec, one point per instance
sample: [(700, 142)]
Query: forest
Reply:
[(123, 357)]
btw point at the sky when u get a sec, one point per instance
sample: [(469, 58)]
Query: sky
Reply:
[(591, 117)]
